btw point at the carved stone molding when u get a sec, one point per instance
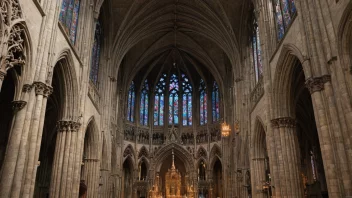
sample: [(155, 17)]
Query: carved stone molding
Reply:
[(27, 88), (283, 122), (2, 75), (67, 126), (317, 83), (18, 105), (42, 89)]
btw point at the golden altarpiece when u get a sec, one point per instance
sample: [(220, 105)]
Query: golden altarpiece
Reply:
[(173, 185)]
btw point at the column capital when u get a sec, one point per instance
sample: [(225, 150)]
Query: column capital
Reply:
[(315, 84), (2, 74), (27, 88), (285, 122), (66, 126), (17, 105), (42, 89)]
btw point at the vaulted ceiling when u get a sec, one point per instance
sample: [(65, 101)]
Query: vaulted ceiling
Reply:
[(207, 32)]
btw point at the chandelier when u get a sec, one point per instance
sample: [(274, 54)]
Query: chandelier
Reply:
[(225, 129)]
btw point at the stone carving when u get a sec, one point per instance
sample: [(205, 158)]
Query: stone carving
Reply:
[(26, 88), (173, 135), (187, 138), (10, 10), (143, 152), (257, 92), (215, 134), (202, 136), (42, 89), (68, 126), (143, 136), (202, 153), (128, 152), (317, 83), (158, 138), (283, 123), (18, 105), (93, 94), (129, 133)]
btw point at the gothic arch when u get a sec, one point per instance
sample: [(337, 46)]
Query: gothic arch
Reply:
[(69, 84), (258, 158), (93, 138), (129, 153), (143, 152), (282, 97), (202, 153), (215, 154), (179, 151), (345, 37)]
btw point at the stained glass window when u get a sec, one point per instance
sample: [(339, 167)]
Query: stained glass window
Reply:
[(186, 101), (94, 70), (203, 103), (131, 102), (69, 17), (257, 52), (285, 10), (159, 101), (173, 99), (215, 102), (144, 104)]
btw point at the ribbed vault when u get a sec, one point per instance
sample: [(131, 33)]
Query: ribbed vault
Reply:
[(206, 31)]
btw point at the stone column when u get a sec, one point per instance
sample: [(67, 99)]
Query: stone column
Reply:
[(2, 77), (258, 175), (16, 138), (61, 184), (330, 137), (91, 176), (288, 161)]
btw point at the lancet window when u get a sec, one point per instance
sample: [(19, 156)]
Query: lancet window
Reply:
[(144, 104), (131, 102), (94, 70), (257, 52), (69, 17), (285, 11), (215, 102), (159, 101), (186, 101), (203, 102), (173, 99)]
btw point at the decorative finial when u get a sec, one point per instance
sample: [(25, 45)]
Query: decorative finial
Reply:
[(173, 160)]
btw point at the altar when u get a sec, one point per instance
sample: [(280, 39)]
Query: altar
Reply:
[(173, 185)]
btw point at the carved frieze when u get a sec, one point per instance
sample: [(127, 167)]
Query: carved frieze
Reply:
[(317, 83), (283, 123), (68, 126)]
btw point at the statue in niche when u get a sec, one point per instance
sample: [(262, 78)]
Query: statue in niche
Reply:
[(173, 136)]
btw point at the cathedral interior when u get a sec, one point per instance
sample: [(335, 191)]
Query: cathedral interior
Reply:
[(176, 98)]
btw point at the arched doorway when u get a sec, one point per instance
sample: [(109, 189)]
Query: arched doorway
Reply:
[(7, 95), (127, 178), (217, 179)]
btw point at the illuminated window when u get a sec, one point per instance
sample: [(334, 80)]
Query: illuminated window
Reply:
[(69, 17)]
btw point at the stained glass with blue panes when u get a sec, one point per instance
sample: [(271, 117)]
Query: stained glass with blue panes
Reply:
[(144, 104), (69, 17)]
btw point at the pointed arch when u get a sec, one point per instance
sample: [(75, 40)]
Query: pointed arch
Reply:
[(129, 153), (290, 56), (215, 154), (202, 153), (143, 152), (69, 84)]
